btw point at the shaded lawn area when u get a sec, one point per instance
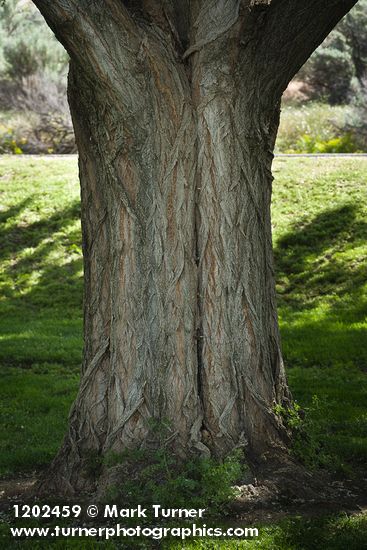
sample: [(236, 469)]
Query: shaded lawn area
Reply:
[(320, 235)]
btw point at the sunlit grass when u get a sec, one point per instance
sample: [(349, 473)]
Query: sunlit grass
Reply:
[(320, 228)]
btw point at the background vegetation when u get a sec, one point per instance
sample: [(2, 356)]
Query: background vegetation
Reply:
[(34, 115), (324, 108)]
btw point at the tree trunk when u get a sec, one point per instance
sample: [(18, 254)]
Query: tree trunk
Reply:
[(175, 151), (240, 365), (180, 320)]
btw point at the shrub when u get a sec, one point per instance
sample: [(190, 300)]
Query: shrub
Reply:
[(9, 142), (357, 121), (330, 70), (333, 70), (32, 80), (310, 144), (354, 28), (27, 45), (21, 60), (42, 102)]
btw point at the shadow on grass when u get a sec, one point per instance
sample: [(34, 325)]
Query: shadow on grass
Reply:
[(22, 235), (321, 280), (13, 211), (42, 287), (50, 274), (316, 258)]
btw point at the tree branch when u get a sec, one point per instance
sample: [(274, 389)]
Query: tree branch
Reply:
[(57, 13), (288, 31), (82, 26)]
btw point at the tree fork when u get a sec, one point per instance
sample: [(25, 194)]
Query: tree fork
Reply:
[(175, 109)]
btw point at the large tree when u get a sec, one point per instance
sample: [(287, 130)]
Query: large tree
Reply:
[(175, 106)]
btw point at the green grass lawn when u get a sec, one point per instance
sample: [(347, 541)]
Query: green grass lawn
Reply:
[(320, 240), (40, 307)]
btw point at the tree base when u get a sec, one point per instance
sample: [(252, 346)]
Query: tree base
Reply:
[(275, 477)]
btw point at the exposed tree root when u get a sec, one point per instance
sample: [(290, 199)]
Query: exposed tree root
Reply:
[(67, 476)]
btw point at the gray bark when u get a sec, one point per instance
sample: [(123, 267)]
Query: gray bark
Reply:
[(175, 108)]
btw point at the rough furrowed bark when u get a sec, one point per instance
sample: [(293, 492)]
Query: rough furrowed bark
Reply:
[(241, 366), (175, 118), (137, 173)]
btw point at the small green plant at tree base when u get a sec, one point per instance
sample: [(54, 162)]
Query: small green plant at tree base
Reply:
[(307, 445), (93, 464), (157, 477)]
